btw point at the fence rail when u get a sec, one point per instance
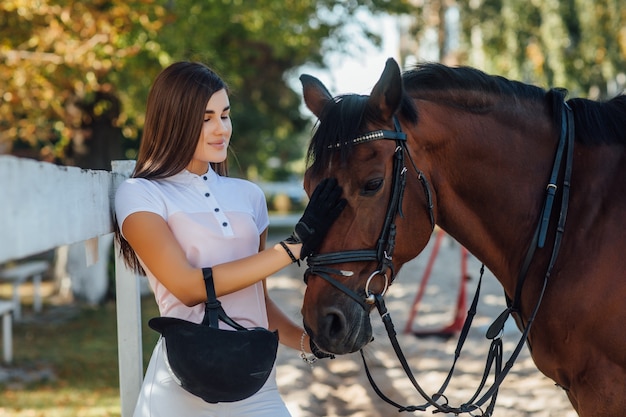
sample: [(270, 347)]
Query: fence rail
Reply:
[(44, 206)]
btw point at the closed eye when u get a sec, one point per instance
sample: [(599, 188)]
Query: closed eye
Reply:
[(372, 186)]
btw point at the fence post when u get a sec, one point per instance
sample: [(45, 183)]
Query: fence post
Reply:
[(128, 306)]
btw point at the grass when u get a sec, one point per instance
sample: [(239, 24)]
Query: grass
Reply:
[(70, 351)]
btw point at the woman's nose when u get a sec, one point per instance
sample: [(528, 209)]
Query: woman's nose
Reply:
[(222, 126)]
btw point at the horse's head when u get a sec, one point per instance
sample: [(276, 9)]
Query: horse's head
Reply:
[(360, 142)]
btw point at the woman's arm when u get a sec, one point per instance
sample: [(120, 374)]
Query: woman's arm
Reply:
[(153, 241), (289, 333)]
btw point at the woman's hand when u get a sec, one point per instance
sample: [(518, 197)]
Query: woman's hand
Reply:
[(319, 215)]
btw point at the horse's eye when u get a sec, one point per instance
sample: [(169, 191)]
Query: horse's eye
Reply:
[(372, 186)]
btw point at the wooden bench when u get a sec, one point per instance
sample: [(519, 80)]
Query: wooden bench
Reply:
[(18, 275)]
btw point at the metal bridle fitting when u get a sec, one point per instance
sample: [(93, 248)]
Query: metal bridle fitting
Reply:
[(369, 297)]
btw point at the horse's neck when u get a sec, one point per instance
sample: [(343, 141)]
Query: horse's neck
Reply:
[(489, 182)]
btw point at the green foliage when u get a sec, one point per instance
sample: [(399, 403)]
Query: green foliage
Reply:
[(64, 63), (576, 44), (55, 57), (254, 46)]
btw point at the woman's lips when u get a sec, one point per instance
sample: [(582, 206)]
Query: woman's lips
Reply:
[(220, 144)]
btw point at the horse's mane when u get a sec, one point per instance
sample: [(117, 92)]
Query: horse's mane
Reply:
[(600, 121), (472, 90), (467, 89), (464, 87)]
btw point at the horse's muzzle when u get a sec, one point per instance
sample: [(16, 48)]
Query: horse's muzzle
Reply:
[(340, 330)]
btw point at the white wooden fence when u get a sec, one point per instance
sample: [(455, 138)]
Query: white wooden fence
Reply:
[(44, 206)]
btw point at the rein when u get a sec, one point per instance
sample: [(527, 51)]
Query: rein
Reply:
[(384, 251)]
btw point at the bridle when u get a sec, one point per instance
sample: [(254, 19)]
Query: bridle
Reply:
[(383, 253)]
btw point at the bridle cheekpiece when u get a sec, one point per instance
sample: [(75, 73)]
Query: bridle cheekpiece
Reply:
[(383, 253)]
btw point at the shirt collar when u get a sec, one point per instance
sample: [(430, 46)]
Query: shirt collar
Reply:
[(187, 177)]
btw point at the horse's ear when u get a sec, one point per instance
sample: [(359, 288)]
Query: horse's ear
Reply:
[(387, 93), (315, 94)]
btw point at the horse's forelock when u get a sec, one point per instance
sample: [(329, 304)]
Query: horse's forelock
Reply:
[(339, 122)]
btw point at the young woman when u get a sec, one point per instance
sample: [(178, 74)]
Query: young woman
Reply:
[(180, 213)]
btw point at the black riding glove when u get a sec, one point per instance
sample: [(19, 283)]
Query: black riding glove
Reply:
[(323, 209)]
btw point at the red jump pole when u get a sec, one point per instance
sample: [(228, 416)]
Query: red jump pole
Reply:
[(425, 278), (461, 305)]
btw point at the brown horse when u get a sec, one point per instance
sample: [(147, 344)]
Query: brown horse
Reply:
[(495, 164)]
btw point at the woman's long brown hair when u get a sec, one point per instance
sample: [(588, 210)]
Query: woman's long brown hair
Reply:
[(174, 115)]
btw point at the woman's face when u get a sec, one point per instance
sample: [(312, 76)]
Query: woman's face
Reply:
[(215, 135)]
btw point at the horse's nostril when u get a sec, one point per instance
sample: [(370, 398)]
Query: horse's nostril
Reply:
[(340, 331), (335, 323)]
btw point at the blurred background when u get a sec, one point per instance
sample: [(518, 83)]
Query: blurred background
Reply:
[(74, 77)]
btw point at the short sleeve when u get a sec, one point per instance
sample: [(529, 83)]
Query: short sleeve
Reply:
[(262, 219), (137, 194)]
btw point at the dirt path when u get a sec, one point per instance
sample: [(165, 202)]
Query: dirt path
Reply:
[(340, 387)]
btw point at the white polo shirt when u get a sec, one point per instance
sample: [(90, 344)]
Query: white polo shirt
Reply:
[(215, 219)]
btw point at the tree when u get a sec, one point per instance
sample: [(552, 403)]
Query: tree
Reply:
[(61, 60), (57, 59), (576, 44)]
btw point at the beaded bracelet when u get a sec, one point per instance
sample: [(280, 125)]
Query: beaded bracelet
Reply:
[(307, 359), (291, 255)]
